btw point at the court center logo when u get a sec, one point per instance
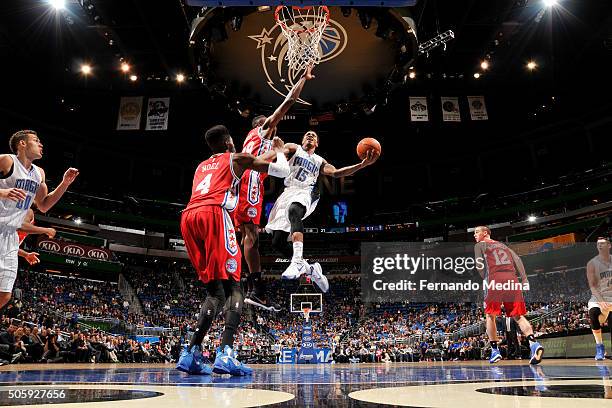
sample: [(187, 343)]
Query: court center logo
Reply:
[(273, 45)]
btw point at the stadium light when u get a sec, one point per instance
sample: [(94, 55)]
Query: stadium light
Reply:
[(532, 218), (550, 3), (531, 65), (125, 67), (86, 69), (58, 4)]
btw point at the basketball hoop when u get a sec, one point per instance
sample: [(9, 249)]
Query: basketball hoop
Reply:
[(303, 27), (306, 312)]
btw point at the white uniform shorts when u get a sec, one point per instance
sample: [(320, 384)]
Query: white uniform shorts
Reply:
[(9, 248), (604, 311), (279, 215)]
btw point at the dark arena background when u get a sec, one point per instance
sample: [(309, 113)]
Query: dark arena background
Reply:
[(489, 113)]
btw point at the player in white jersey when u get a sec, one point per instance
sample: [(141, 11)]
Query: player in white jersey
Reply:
[(298, 201), (21, 184), (599, 275)]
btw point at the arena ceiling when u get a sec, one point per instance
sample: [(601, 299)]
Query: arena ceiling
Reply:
[(154, 38)]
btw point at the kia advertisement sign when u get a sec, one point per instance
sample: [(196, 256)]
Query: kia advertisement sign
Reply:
[(74, 249)]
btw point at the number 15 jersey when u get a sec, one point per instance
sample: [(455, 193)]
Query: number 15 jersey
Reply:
[(304, 169), (215, 183)]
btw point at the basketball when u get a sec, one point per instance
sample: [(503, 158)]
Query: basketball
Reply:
[(368, 143)]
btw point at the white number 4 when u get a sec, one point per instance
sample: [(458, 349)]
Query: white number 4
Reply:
[(204, 185)]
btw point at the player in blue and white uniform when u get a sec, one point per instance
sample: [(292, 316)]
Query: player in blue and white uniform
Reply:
[(21, 184), (299, 200)]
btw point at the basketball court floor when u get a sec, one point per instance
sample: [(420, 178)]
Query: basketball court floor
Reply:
[(554, 384)]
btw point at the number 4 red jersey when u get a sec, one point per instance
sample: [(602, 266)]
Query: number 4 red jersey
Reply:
[(214, 183)]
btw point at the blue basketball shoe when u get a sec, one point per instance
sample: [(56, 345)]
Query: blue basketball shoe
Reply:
[(495, 356), (193, 362), (536, 353), (600, 352), (227, 363)]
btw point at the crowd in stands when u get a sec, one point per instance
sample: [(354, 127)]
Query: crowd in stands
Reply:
[(55, 306)]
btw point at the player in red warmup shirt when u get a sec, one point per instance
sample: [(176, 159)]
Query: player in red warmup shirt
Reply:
[(501, 264), (250, 204), (210, 239)]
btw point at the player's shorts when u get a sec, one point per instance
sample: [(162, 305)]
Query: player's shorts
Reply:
[(512, 309), (250, 202), (9, 248), (513, 301), (279, 216), (605, 311), (210, 239)]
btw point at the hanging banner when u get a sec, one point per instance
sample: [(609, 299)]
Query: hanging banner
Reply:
[(418, 109), (130, 108), (478, 109), (450, 109), (157, 113)]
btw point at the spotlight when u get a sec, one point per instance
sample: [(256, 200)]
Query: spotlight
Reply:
[(477, 75), (532, 218), (365, 18), (125, 67), (86, 69), (412, 75), (346, 11), (180, 78), (531, 65), (550, 3), (133, 78), (58, 4), (484, 65)]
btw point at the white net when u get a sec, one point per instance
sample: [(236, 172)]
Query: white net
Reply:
[(303, 27)]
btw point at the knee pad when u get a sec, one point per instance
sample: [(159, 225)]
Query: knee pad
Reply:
[(215, 297), (296, 212), (594, 314), (235, 300)]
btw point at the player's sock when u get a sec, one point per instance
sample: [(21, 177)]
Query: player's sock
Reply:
[(298, 249), (258, 286), (494, 345), (232, 319), (531, 339)]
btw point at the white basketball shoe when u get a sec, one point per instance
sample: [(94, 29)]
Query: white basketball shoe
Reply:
[(295, 270), (315, 272)]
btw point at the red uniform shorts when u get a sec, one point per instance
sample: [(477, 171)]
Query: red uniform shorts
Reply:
[(514, 304), (210, 239), (250, 203)]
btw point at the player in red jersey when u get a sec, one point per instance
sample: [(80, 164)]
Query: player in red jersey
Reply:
[(250, 204), (28, 228), (210, 239), (501, 264)]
